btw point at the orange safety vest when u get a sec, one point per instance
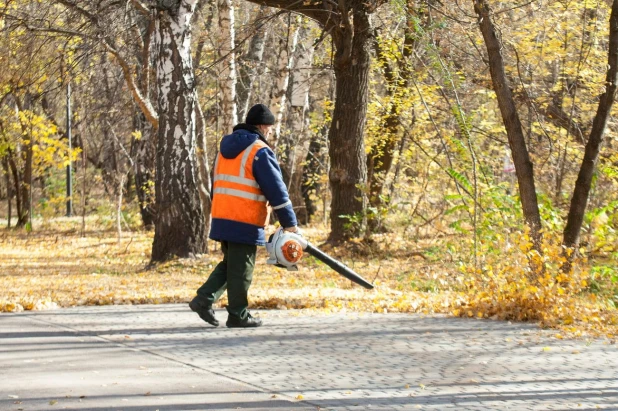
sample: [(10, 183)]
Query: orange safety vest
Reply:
[(236, 194)]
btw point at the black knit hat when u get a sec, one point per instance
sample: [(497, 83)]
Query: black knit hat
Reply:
[(260, 114)]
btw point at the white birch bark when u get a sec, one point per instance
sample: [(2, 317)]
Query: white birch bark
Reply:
[(278, 100), (227, 76), (301, 75), (296, 143), (252, 61), (179, 229), (300, 102), (295, 146)]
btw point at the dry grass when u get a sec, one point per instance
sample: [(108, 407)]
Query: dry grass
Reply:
[(57, 266)]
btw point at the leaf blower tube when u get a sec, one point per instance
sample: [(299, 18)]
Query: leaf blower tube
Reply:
[(338, 266), (285, 249)]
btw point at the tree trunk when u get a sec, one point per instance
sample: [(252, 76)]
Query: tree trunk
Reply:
[(379, 162), (382, 153), (179, 229), (251, 62), (348, 168), (19, 209), (228, 65), (294, 146), (25, 182), (27, 186), (84, 192), (204, 183), (9, 192), (296, 142), (350, 26), (144, 170), (593, 146), (287, 46), (512, 123), (119, 188), (301, 78), (310, 179), (315, 167)]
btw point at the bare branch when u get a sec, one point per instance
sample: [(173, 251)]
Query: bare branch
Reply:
[(141, 7), (73, 5), (518, 6), (122, 148), (58, 31), (144, 104), (313, 9)]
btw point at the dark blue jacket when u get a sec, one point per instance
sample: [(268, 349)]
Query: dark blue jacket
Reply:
[(268, 176)]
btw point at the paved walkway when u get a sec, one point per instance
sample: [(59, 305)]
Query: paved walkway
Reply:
[(164, 358)]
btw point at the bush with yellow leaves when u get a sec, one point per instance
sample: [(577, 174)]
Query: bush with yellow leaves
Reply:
[(507, 288)]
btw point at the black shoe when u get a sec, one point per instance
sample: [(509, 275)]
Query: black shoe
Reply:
[(206, 313), (248, 322)]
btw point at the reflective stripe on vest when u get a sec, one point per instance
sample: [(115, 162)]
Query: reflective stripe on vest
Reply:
[(239, 180), (241, 194), (236, 194)]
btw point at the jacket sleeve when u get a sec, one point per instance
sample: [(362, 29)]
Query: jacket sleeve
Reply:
[(268, 175)]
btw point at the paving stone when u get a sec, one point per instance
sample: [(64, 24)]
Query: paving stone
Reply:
[(305, 360)]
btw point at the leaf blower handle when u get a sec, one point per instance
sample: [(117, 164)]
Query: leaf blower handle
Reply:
[(338, 266)]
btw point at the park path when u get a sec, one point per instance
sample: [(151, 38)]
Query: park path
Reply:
[(162, 357)]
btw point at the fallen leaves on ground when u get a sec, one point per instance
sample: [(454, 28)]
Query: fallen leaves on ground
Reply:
[(54, 268), (51, 269)]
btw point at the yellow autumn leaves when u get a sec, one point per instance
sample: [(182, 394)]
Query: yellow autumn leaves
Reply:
[(45, 270), (27, 128), (507, 288)]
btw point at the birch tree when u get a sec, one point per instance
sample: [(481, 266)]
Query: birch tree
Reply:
[(179, 229), (287, 46), (295, 143), (251, 62), (228, 65), (180, 222)]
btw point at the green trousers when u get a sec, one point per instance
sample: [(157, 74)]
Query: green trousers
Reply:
[(235, 273)]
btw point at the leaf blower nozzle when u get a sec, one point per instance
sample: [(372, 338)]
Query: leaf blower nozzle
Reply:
[(285, 249)]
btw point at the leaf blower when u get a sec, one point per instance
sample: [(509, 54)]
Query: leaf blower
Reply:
[(285, 249)]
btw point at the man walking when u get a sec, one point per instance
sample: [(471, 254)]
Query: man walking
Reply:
[(247, 181)]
